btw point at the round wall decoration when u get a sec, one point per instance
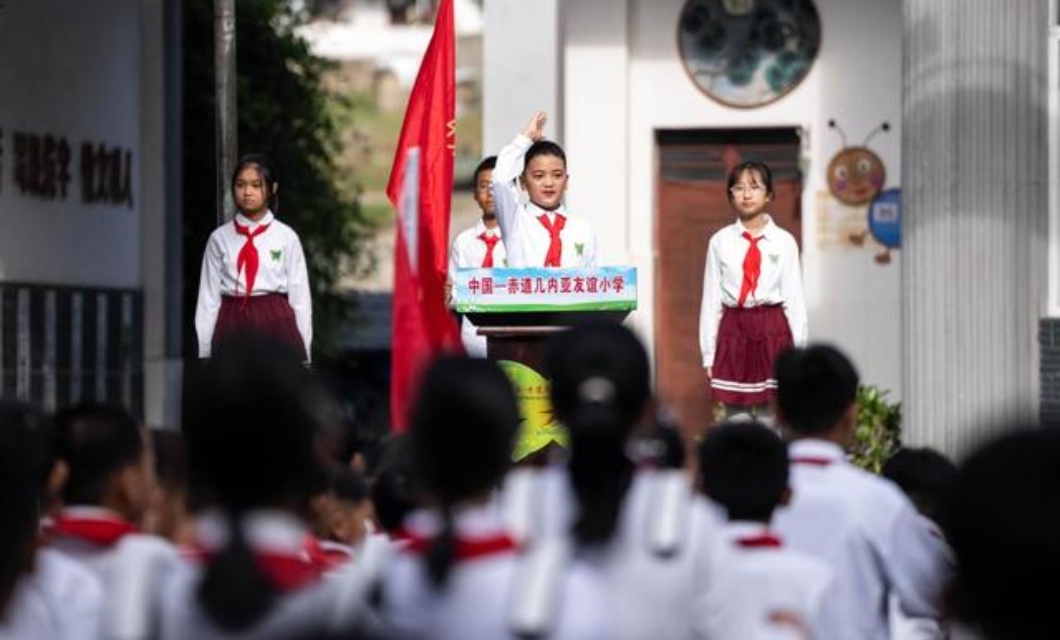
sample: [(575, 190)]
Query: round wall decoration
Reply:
[(747, 53)]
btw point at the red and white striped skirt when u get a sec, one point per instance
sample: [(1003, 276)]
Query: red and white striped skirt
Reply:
[(749, 341), (267, 315)]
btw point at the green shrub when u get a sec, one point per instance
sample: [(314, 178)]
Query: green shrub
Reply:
[(878, 432)]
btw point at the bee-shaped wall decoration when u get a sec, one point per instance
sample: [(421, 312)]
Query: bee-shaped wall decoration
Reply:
[(856, 175)]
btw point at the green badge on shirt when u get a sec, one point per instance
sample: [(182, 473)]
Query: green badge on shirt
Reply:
[(774, 257), (276, 254), (579, 247)]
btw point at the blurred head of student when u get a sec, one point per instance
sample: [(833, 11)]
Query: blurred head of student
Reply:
[(484, 188), (23, 466), (462, 429), (108, 460), (170, 515), (817, 389), (349, 507), (600, 391), (925, 475), (1001, 518), (251, 447), (743, 466), (545, 174)]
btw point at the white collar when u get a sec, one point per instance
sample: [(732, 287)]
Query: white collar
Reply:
[(247, 222), (537, 211), (815, 448), (765, 231), (270, 530), (481, 228), (474, 520)]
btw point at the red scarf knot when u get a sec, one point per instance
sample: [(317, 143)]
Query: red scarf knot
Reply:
[(752, 267), (248, 257), (491, 241), (555, 244)]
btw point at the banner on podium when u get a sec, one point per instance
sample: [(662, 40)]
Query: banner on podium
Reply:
[(545, 289)]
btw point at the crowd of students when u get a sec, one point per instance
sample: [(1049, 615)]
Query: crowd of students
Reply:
[(252, 523)]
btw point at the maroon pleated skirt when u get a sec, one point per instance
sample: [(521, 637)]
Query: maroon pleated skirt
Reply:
[(749, 341), (268, 315)]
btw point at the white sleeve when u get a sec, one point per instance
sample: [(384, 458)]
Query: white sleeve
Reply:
[(209, 301), (298, 293), (454, 259), (710, 306), (794, 299), (917, 563), (591, 259), (506, 190)]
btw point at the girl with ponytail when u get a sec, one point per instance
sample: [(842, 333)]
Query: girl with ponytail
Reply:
[(619, 479), (454, 572), (253, 465)]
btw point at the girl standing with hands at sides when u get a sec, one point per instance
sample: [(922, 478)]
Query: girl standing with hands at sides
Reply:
[(753, 306), (529, 182), (254, 277)]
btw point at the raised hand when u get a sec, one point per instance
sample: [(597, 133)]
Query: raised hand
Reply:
[(535, 128)]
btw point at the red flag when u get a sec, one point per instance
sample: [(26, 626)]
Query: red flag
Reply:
[(420, 188)]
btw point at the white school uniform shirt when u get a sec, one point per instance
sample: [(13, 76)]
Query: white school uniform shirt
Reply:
[(59, 600), (336, 602), (752, 581), (281, 269), (94, 555), (779, 281), (870, 535), (526, 239), (468, 252)]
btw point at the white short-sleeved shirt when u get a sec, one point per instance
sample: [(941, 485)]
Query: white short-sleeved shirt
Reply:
[(468, 252), (60, 600), (526, 239), (755, 580), (869, 534), (779, 281), (281, 269)]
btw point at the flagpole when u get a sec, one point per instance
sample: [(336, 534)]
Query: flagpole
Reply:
[(226, 112)]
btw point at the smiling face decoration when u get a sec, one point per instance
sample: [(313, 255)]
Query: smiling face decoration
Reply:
[(856, 175)]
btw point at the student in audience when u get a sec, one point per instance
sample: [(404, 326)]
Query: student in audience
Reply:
[(455, 569), (862, 526), (109, 482), (43, 594), (1001, 518), (170, 515), (760, 587)]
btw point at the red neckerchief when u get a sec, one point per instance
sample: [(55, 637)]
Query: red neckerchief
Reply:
[(760, 541), (491, 243), (102, 530), (752, 267), (812, 461), (286, 570), (465, 548), (248, 257), (555, 244)]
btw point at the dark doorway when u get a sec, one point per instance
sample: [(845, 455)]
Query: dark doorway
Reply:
[(692, 169)]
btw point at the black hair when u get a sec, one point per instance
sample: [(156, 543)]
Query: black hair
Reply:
[(544, 148), (268, 177), (488, 164), (462, 429), (743, 466), (393, 495), (23, 463), (96, 441), (250, 445), (761, 171), (925, 475), (815, 386), (1001, 519), (348, 485), (600, 387)]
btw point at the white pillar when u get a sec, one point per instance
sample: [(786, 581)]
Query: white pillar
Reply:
[(975, 187)]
